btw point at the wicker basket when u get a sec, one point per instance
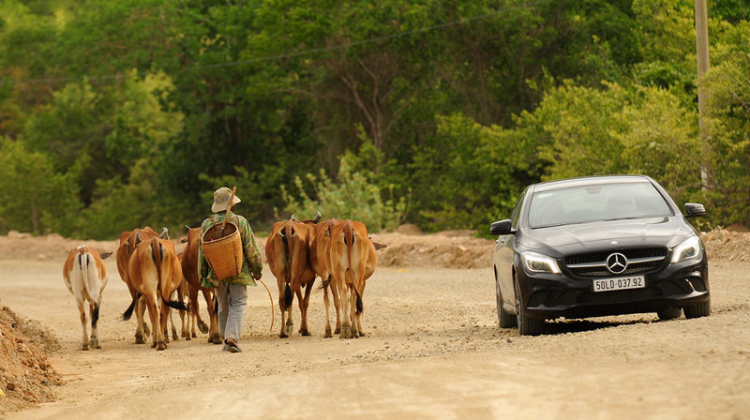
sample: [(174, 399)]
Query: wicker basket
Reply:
[(224, 253)]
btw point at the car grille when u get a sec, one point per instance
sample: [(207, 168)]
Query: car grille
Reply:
[(595, 264)]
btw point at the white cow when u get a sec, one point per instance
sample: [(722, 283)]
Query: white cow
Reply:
[(86, 277)]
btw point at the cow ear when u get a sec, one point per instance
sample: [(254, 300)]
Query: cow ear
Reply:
[(106, 255), (138, 239), (379, 246)]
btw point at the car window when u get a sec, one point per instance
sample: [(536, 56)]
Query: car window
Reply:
[(596, 202), (517, 212)]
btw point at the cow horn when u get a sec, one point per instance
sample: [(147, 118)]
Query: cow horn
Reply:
[(164, 233), (293, 218), (138, 239), (317, 216)]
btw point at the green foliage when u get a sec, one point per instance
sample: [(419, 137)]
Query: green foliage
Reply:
[(356, 196), (137, 110), (728, 128), (35, 198)]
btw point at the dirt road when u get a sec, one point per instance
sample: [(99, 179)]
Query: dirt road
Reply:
[(433, 350)]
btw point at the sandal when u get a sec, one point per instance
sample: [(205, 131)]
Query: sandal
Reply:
[(231, 347)]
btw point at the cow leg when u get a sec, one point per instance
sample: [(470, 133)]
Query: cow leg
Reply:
[(346, 309), (82, 311), (327, 302), (358, 315), (165, 316), (214, 336), (303, 305), (157, 335), (141, 329), (196, 312), (337, 305), (94, 311)]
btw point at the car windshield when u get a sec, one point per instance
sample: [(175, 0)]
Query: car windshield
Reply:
[(596, 202)]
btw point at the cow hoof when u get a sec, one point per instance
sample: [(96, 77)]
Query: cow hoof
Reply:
[(304, 333), (95, 344), (161, 346), (328, 333), (203, 327), (175, 336), (215, 339), (139, 339), (283, 335), (153, 345), (196, 335), (85, 347)]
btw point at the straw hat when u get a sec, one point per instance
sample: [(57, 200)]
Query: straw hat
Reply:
[(221, 199)]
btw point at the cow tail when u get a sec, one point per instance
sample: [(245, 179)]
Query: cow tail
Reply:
[(288, 297), (158, 254), (360, 307), (129, 312), (84, 261), (95, 315), (176, 304)]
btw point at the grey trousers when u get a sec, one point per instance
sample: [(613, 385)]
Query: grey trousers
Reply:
[(232, 302)]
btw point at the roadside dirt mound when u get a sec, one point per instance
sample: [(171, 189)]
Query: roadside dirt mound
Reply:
[(26, 377)]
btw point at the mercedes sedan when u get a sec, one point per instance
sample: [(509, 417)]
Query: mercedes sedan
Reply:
[(598, 246)]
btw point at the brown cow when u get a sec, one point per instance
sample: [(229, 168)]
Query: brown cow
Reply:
[(128, 242), (318, 257), (287, 253), (351, 261), (155, 273), (189, 263), (86, 277)]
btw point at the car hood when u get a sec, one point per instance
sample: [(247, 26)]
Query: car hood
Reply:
[(589, 237)]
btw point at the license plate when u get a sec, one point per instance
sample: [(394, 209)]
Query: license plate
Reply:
[(619, 283)]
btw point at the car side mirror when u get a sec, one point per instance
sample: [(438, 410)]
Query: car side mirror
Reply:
[(694, 210), (501, 227)]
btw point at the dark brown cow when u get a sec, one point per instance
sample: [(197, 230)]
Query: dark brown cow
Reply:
[(318, 257), (287, 253), (190, 272), (351, 261), (155, 273), (128, 242)]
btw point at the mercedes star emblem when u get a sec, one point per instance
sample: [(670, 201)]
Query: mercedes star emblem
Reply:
[(617, 263)]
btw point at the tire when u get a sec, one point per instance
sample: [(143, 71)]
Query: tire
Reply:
[(698, 310), (669, 313), (526, 325), (504, 319)]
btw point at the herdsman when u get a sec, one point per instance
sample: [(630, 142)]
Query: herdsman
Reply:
[(232, 291)]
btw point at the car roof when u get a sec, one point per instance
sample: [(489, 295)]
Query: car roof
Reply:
[(590, 180)]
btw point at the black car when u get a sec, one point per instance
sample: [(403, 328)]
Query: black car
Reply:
[(598, 246)]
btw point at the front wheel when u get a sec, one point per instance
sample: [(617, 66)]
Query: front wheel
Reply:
[(504, 319), (526, 325), (698, 310), (669, 313)]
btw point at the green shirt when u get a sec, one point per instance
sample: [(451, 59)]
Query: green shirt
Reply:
[(252, 264)]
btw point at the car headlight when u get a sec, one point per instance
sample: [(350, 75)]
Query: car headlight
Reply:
[(688, 250), (538, 263)]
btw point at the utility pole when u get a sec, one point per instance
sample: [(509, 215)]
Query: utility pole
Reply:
[(701, 38)]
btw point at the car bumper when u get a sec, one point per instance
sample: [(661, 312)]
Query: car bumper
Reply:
[(551, 296)]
